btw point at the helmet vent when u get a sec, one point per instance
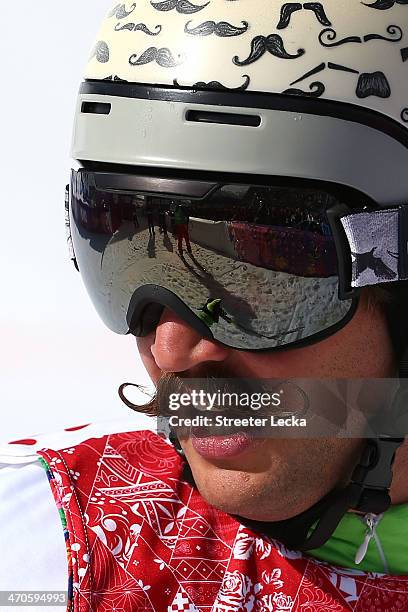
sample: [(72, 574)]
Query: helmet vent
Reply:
[(96, 108), (198, 116)]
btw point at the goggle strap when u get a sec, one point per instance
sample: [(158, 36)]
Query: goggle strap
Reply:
[(378, 244)]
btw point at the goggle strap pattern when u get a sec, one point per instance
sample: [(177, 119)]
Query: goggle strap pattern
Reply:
[(378, 243)]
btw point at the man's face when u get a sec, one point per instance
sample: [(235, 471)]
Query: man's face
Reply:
[(273, 479)]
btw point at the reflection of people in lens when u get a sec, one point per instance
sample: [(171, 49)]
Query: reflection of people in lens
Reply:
[(162, 220), (181, 219), (150, 216), (107, 215), (211, 312), (134, 214)]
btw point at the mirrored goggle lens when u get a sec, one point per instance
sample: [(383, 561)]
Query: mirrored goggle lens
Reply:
[(253, 266)]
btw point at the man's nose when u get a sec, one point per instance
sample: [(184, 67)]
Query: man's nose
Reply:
[(178, 347)]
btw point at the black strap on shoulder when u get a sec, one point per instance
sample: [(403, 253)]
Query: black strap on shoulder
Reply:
[(368, 491)]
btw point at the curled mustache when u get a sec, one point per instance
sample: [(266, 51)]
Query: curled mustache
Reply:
[(393, 30), (222, 28), (182, 6), (134, 27), (163, 57), (404, 115), (101, 51), (289, 8), (316, 89), (383, 5), (120, 11), (260, 44), (373, 84), (213, 382), (217, 85), (330, 35)]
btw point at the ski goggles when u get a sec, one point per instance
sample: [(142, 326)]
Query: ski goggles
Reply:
[(255, 266)]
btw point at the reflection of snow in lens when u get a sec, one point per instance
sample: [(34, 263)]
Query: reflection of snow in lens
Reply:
[(259, 303)]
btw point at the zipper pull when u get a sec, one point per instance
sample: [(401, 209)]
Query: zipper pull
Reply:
[(371, 520), (362, 551)]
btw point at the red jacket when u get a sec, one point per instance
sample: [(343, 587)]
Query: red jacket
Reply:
[(141, 538)]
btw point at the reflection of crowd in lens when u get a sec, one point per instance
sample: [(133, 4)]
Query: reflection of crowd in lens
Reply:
[(105, 211), (260, 222), (284, 229), (279, 207)]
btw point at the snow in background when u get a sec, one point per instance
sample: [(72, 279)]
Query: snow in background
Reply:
[(59, 365)]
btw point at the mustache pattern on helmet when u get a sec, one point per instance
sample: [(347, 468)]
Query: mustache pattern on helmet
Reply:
[(120, 11), (222, 28), (404, 115), (316, 89), (135, 27), (320, 68), (383, 5), (163, 57), (342, 68), (309, 73), (393, 30), (182, 6), (318, 10), (101, 51), (373, 84), (261, 44), (330, 35), (115, 77), (289, 8), (217, 85), (286, 13)]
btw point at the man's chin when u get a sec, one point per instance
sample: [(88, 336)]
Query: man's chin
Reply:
[(237, 490), (242, 500)]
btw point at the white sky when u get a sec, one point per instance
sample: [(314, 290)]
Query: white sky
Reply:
[(59, 365)]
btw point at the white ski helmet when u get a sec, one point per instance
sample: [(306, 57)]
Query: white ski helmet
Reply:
[(335, 72)]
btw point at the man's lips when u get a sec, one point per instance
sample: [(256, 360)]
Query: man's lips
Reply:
[(220, 446)]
